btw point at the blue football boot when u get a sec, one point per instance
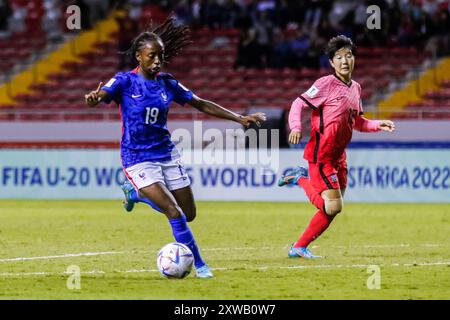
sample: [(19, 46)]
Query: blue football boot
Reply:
[(292, 177), (127, 189), (301, 252), (204, 272)]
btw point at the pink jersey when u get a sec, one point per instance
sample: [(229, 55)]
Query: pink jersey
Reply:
[(336, 111)]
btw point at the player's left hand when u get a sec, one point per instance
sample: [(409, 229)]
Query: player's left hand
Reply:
[(256, 118), (387, 125)]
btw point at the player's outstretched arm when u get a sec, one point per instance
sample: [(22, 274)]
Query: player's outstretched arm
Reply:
[(365, 125), (218, 111), (95, 97)]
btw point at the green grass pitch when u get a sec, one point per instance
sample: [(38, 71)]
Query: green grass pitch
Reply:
[(245, 243)]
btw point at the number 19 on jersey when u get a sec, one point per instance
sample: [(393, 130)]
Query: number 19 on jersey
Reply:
[(152, 115)]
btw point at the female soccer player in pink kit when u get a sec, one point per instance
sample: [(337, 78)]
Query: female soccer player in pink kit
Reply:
[(336, 103)]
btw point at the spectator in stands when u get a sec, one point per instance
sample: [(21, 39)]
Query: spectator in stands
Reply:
[(99, 8), (183, 12), (360, 19), (51, 22), (267, 6), (430, 7), (281, 50), (248, 52), (313, 14), (325, 29), (406, 30), (19, 14), (300, 46), (424, 29), (213, 14), (280, 16), (440, 43), (316, 54), (263, 28), (196, 19), (5, 12), (231, 11)]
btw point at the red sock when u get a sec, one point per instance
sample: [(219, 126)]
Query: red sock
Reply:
[(315, 198), (318, 224)]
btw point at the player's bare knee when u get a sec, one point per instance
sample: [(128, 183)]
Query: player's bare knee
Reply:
[(333, 206), (333, 211)]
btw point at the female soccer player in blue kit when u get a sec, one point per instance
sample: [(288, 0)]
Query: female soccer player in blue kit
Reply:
[(149, 157)]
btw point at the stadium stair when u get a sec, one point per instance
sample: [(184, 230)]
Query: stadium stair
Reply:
[(19, 91), (426, 94)]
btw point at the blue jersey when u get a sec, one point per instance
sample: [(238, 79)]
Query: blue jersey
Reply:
[(144, 105)]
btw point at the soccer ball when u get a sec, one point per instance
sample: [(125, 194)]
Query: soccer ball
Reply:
[(175, 260)]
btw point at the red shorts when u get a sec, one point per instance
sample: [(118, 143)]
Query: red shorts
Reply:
[(327, 175)]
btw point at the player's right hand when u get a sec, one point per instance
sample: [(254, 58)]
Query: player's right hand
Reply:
[(295, 137), (93, 98)]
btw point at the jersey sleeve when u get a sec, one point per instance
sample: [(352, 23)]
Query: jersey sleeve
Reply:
[(181, 94), (114, 88), (295, 115), (360, 108), (365, 125), (315, 96)]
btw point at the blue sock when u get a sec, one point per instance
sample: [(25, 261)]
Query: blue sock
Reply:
[(134, 196), (183, 234)]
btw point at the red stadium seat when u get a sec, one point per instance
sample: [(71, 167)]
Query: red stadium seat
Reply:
[(366, 94), (250, 73), (307, 73), (445, 83), (252, 85), (235, 83), (288, 84)]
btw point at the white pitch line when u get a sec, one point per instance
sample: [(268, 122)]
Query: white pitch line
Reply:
[(320, 266), (65, 255), (238, 248), (71, 255), (400, 245)]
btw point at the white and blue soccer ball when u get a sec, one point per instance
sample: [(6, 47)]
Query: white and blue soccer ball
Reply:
[(175, 260)]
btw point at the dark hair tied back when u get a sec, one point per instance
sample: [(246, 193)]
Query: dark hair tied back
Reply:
[(173, 35)]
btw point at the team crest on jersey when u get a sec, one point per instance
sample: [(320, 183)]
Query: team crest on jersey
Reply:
[(312, 91), (333, 178), (164, 96)]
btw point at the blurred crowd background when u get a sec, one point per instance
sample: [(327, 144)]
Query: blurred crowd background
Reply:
[(273, 33), (293, 33)]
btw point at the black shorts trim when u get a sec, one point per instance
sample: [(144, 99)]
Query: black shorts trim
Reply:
[(321, 126), (316, 147), (324, 177)]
